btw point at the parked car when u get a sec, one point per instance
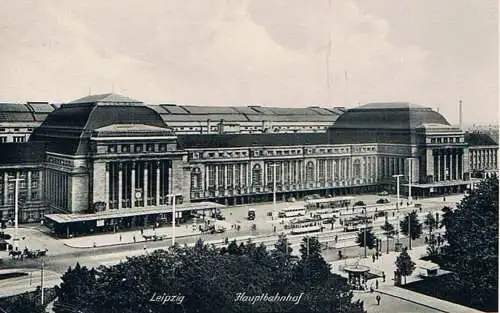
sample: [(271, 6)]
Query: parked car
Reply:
[(359, 203), (383, 200), (383, 193), (291, 199)]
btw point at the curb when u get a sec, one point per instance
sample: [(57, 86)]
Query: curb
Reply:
[(413, 301)]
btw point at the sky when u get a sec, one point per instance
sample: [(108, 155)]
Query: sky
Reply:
[(287, 53)]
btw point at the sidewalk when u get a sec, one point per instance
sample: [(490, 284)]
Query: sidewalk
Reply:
[(434, 303), (386, 264)]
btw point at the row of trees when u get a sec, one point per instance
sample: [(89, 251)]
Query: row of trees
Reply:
[(210, 279), (415, 230)]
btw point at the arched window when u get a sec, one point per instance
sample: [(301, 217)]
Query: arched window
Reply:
[(256, 175), (309, 172), (357, 168), (196, 182)]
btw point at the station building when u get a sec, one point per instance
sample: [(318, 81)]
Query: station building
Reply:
[(112, 161)]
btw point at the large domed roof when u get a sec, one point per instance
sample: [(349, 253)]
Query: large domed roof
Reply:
[(68, 128), (389, 115)]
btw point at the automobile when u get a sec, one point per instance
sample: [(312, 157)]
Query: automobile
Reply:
[(251, 214), (291, 199), (382, 201), (359, 203), (383, 193)]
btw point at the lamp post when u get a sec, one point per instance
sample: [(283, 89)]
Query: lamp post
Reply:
[(364, 231), (16, 206), (409, 230), (410, 178), (274, 188), (397, 204), (173, 196)]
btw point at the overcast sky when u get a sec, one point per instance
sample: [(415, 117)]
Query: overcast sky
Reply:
[(290, 53)]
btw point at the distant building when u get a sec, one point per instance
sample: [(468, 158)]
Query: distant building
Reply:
[(123, 159)]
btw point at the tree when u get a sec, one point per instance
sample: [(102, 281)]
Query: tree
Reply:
[(415, 226), (431, 222), (404, 265), (371, 240), (210, 279), (77, 284), (471, 252), (389, 232)]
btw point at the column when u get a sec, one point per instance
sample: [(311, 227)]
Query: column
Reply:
[(438, 156), (242, 182), (120, 187), (216, 177), (106, 186), (157, 182), (132, 185), (28, 185), (225, 176), (146, 163), (234, 175), (282, 166), (206, 177), (170, 172), (458, 175)]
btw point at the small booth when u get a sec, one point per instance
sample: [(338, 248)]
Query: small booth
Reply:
[(428, 269), (357, 275)]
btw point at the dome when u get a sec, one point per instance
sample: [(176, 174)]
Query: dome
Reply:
[(68, 129), (389, 115), (383, 122)]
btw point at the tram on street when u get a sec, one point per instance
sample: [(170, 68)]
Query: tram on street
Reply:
[(305, 225), (358, 223), (292, 212), (325, 213), (331, 203)]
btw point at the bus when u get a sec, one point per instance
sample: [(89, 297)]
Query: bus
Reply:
[(358, 223), (305, 225), (332, 203), (292, 212)]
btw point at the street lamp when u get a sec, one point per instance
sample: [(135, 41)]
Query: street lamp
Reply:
[(397, 203), (173, 196), (409, 231), (410, 178), (16, 205), (274, 188), (364, 231)]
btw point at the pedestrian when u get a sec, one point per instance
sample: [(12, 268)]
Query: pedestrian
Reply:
[(120, 238), (392, 213), (226, 240), (376, 284), (420, 209), (274, 228), (383, 277), (378, 299), (134, 238), (376, 255), (94, 245), (373, 258), (340, 255), (142, 231), (336, 238), (426, 239)]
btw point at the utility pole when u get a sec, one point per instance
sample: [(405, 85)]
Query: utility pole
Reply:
[(409, 229), (410, 178), (397, 203), (41, 281), (16, 207), (173, 196), (364, 231), (274, 189)]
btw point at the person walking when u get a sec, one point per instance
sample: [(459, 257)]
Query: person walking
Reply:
[(120, 238), (336, 238), (134, 238), (383, 277), (376, 284), (373, 258), (378, 299)]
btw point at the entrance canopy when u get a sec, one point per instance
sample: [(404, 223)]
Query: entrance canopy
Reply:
[(113, 214), (447, 183)]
